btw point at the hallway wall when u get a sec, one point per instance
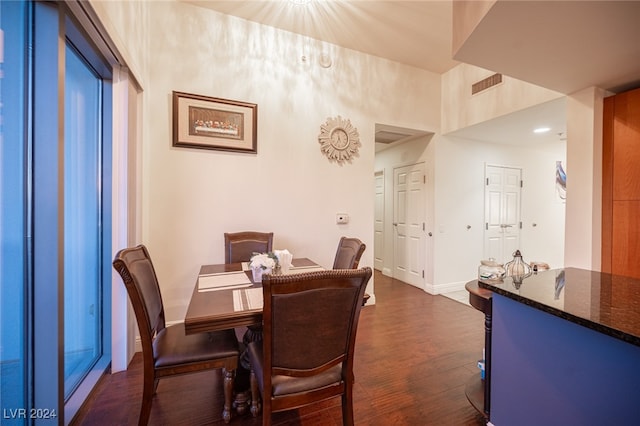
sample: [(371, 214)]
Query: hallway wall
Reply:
[(455, 188)]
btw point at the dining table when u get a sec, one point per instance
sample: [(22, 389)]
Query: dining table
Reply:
[(225, 296)]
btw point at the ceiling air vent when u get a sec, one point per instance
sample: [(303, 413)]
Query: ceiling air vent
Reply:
[(486, 83)]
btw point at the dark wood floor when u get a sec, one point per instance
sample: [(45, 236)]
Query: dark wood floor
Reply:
[(414, 355)]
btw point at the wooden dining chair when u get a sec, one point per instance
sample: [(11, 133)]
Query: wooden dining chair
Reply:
[(309, 332), (239, 246), (168, 351), (349, 253)]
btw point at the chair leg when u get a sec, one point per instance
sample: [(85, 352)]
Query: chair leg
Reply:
[(266, 411), (228, 394), (255, 395), (347, 407), (148, 390), (266, 414)]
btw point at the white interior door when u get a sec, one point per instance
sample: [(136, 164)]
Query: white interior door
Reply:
[(408, 223), (378, 227), (503, 187)]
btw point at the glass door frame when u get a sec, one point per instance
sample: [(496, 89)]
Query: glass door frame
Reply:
[(53, 25)]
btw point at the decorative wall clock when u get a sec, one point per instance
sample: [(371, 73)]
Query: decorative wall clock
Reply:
[(339, 140)]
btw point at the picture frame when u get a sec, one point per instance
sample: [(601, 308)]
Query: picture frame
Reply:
[(213, 123)]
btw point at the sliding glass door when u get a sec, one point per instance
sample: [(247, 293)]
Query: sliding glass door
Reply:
[(82, 218), (55, 220), (13, 231)]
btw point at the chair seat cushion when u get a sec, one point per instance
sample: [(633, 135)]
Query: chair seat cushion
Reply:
[(172, 346), (285, 385)]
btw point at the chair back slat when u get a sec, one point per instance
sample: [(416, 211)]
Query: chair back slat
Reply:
[(138, 274), (317, 311), (240, 246), (349, 253), (319, 319)]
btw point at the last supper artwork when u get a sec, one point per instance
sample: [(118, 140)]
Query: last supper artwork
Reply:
[(215, 123)]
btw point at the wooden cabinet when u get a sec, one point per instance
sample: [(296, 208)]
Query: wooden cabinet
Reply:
[(621, 184)]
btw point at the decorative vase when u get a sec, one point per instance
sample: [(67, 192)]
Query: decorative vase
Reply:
[(258, 272), (517, 266), (257, 275), (517, 269)]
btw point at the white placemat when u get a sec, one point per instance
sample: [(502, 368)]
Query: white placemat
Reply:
[(246, 299), (303, 269), (223, 281), (251, 298)]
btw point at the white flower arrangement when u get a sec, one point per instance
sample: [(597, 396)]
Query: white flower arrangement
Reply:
[(263, 261)]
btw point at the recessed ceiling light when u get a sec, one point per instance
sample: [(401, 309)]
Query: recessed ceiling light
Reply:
[(300, 1), (542, 130)]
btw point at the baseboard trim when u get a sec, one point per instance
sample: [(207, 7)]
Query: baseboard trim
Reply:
[(371, 301), (445, 288)]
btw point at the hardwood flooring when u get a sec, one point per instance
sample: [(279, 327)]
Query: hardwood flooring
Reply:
[(414, 355)]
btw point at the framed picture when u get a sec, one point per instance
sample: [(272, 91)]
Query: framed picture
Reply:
[(213, 123)]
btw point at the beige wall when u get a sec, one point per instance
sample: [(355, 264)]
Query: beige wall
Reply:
[(583, 238), (126, 23), (464, 109), (193, 196)]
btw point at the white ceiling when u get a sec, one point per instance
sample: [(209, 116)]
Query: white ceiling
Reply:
[(561, 45), (565, 46), (517, 128)]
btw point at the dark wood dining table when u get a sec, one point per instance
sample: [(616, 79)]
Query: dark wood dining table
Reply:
[(215, 309)]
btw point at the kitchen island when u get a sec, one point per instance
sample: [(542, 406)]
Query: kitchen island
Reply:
[(565, 349)]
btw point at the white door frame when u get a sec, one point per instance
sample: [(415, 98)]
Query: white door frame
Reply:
[(503, 221), (409, 213)]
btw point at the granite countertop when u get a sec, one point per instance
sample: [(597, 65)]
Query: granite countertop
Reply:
[(603, 302)]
